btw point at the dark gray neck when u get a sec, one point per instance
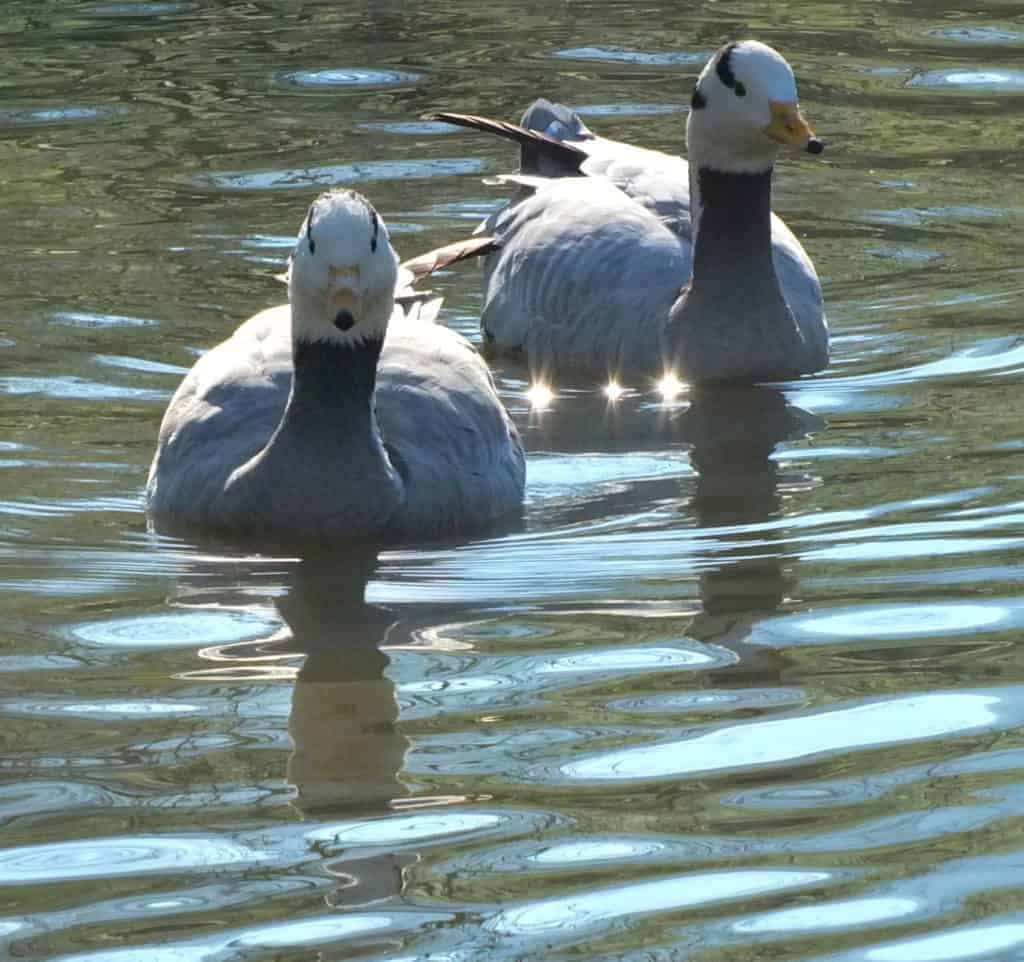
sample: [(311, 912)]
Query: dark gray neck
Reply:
[(332, 386), (735, 228), (324, 471), (732, 323)]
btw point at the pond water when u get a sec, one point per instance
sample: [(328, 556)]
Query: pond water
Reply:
[(743, 685)]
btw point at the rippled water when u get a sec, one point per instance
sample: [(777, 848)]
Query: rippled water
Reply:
[(745, 683)]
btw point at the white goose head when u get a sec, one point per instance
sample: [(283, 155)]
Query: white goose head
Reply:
[(744, 107), (341, 278)]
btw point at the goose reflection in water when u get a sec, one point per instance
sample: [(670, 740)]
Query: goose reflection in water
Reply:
[(731, 497), (730, 435), (740, 487), (740, 490), (347, 750)]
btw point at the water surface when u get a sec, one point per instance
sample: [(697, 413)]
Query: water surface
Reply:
[(744, 684)]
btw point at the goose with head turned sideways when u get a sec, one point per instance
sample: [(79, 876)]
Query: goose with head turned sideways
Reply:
[(618, 261), (345, 413)]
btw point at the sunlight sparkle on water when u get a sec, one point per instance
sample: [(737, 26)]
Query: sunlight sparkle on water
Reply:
[(613, 391), (540, 396), (670, 387)]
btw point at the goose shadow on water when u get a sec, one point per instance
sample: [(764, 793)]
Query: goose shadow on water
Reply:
[(348, 750)]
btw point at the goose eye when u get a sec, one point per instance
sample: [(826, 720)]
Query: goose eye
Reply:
[(741, 91), (343, 320)]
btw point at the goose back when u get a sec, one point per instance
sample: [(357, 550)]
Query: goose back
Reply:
[(446, 432)]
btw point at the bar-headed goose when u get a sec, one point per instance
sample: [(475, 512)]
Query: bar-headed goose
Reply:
[(309, 422), (646, 264)]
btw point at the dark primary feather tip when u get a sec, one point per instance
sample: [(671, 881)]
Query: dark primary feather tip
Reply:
[(698, 101)]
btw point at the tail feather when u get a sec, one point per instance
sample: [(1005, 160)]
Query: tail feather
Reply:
[(443, 257), (424, 306), (540, 153)]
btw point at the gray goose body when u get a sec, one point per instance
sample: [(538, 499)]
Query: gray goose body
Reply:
[(385, 428), (647, 263)]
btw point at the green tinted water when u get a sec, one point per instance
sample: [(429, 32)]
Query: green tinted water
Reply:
[(744, 686)]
